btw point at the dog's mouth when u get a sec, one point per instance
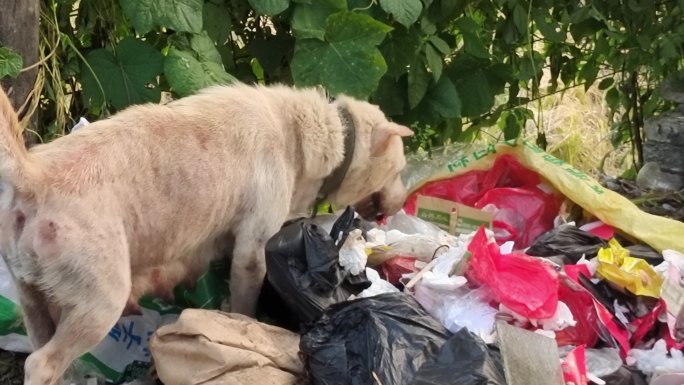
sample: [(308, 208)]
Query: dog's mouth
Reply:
[(370, 208)]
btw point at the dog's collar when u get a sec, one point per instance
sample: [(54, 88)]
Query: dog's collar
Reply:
[(334, 180)]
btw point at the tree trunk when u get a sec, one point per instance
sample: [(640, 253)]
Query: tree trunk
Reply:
[(19, 31)]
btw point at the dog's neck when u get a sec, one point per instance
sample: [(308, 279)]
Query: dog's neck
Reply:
[(335, 179)]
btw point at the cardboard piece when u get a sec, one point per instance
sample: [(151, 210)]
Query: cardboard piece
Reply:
[(453, 217), (529, 358), (211, 347)]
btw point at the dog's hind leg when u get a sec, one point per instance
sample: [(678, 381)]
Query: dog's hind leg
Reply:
[(39, 324), (85, 318)]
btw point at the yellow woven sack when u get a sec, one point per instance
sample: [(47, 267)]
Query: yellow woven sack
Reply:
[(608, 206)]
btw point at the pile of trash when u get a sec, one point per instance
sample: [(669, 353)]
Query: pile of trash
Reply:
[(505, 266)]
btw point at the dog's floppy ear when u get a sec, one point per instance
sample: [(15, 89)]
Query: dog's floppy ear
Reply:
[(382, 134)]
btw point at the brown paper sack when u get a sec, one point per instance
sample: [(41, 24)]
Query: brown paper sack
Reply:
[(212, 347)]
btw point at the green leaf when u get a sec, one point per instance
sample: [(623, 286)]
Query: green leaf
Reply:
[(606, 83), (434, 61), (512, 127), (309, 20), (127, 75), (471, 41), (188, 70), (269, 7), (569, 71), (580, 14), (216, 18), (634, 6), (10, 63), (530, 67), (477, 95), (588, 73), (348, 60), (668, 49), (406, 12), (272, 52), (650, 105), (602, 46), (466, 24), (217, 23), (418, 82), (613, 98), (427, 25), (440, 44), (547, 28), (508, 33), (520, 19), (388, 96), (204, 48), (399, 49), (474, 46), (178, 15), (585, 28), (644, 41), (444, 98)]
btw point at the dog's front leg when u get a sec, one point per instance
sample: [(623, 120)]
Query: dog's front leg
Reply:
[(247, 272)]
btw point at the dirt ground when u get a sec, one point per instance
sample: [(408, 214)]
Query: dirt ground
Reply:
[(11, 368)]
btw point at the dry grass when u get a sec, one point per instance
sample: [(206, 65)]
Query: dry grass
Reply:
[(577, 128)]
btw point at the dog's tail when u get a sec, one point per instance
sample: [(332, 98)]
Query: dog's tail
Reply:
[(14, 158)]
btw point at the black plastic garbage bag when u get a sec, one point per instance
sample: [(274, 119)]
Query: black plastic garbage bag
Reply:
[(568, 241), (465, 359), (302, 267), (388, 336)]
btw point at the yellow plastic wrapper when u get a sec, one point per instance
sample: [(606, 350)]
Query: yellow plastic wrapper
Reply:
[(633, 274)]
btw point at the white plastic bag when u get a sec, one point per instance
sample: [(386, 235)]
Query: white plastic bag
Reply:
[(378, 285), (352, 254), (656, 361)]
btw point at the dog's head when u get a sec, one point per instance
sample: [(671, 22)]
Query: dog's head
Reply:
[(373, 182)]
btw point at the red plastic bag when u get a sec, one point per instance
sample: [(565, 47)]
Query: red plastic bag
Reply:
[(465, 189), (523, 284), (581, 305), (593, 319), (574, 271), (643, 325), (618, 334), (508, 172), (524, 210), (574, 367), (393, 268), (523, 214), (670, 342)]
